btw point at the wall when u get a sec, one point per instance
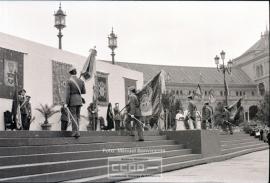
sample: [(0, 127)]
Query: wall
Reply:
[(38, 78)]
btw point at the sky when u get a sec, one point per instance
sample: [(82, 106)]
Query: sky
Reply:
[(179, 33)]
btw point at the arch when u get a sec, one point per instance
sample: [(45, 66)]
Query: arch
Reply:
[(252, 111)]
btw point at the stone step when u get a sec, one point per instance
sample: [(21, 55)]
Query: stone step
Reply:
[(13, 142), (53, 134), (27, 150), (57, 176), (233, 137), (235, 149), (224, 142), (242, 144), (66, 156)]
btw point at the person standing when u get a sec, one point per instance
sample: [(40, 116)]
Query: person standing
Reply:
[(192, 111), (22, 102), (26, 113), (206, 116), (64, 118), (227, 123), (93, 115), (179, 118), (109, 118), (75, 87), (117, 117), (133, 110)]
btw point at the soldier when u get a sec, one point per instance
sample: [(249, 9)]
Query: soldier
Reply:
[(192, 111), (74, 88), (227, 123), (133, 110), (26, 113), (207, 113), (117, 117), (64, 118)]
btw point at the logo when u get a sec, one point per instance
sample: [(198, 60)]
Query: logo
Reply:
[(133, 167)]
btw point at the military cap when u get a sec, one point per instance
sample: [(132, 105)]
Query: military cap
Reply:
[(72, 69), (131, 88), (27, 96), (22, 90)]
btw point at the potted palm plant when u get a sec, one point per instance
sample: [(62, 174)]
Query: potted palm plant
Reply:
[(47, 112)]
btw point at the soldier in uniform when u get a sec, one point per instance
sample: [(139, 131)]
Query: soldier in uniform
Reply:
[(207, 113), (26, 113), (75, 87), (93, 115), (133, 110), (227, 123), (192, 111), (117, 117)]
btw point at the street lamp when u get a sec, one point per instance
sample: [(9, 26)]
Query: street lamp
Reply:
[(60, 23), (112, 40), (224, 68)]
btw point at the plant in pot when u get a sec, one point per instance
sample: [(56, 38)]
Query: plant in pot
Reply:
[(47, 112)]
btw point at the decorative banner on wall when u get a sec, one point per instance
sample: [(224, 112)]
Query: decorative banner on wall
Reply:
[(102, 88), (60, 76), (10, 61)]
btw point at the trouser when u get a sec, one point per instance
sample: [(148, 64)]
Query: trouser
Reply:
[(75, 111), (25, 122), (117, 125), (136, 125), (64, 125), (225, 126), (93, 123), (204, 124)]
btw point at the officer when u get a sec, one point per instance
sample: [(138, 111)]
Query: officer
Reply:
[(207, 113), (227, 123), (75, 87), (134, 114), (192, 111)]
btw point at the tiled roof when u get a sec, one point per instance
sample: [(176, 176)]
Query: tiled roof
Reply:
[(184, 74)]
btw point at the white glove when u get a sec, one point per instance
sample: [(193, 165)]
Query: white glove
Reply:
[(132, 116)]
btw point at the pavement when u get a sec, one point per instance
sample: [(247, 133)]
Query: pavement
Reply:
[(249, 168)]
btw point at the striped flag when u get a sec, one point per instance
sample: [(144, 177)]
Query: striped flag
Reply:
[(89, 67)]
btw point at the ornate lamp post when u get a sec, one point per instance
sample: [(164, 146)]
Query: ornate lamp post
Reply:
[(112, 40), (60, 23), (224, 68)]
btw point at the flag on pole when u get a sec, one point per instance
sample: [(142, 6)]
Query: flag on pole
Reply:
[(198, 92), (151, 95), (89, 67), (234, 109), (16, 108), (211, 96)]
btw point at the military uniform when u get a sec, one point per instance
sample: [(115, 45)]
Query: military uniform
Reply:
[(227, 123), (26, 111), (192, 111), (93, 116), (207, 113), (74, 100), (117, 118), (134, 109)]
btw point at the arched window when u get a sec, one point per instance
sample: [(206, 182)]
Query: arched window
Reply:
[(181, 92), (261, 89), (205, 93), (221, 93), (240, 93), (261, 70), (177, 92), (252, 93), (189, 92), (236, 93)]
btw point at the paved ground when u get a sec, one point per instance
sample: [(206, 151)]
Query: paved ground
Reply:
[(250, 168)]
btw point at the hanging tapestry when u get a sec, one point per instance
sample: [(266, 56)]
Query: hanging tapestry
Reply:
[(60, 75), (102, 89), (10, 62)]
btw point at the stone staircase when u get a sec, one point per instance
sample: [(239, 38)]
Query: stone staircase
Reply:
[(240, 143), (56, 157)]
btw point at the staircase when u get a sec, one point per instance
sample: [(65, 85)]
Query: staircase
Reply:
[(56, 157), (240, 143)]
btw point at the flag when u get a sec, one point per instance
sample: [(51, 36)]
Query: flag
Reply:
[(211, 96), (234, 109), (198, 92), (16, 109), (151, 95), (89, 67)]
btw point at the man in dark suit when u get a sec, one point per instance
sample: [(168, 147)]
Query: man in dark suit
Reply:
[(134, 114), (75, 87), (192, 110)]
